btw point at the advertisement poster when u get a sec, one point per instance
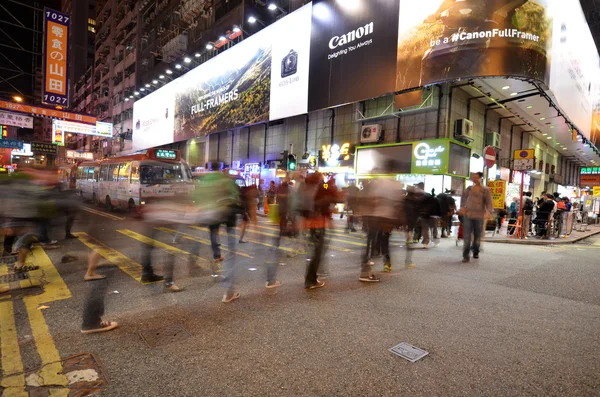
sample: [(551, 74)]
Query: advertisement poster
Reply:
[(353, 51), (16, 120), (231, 90), (575, 68), (154, 118), (56, 58), (42, 147), (289, 71), (442, 40), (498, 191)]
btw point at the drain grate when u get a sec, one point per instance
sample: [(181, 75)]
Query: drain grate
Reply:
[(408, 352), (9, 278), (163, 336)]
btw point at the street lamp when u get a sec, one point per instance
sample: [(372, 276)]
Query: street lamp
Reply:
[(154, 81), (17, 98), (147, 85), (187, 60), (162, 76), (198, 55), (210, 46), (272, 6), (236, 29), (169, 71), (178, 66)]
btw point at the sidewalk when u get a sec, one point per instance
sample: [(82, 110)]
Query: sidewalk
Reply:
[(574, 237)]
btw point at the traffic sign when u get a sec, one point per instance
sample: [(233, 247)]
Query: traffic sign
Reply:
[(489, 155), (524, 154), (523, 164)]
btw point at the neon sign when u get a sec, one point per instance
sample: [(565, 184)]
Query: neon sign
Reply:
[(426, 156), (333, 154)]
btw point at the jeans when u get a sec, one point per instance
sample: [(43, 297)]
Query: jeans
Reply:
[(428, 224), (147, 249), (93, 309), (472, 228), (317, 237), (229, 263)]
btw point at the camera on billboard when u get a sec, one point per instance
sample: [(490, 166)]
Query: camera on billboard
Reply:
[(289, 64)]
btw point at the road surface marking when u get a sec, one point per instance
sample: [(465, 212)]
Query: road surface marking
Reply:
[(329, 231), (104, 214), (203, 241), (167, 247), (54, 289), (126, 264), (4, 287), (249, 230), (11, 354)]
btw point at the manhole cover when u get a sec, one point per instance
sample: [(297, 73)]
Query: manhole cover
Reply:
[(9, 278), (164, 336), (408, 352)]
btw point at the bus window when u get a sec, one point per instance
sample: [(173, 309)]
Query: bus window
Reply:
[(124, 172), (80, 172), (135, 173), (104, 173), (113, 172), (161, 173), (90, 173)]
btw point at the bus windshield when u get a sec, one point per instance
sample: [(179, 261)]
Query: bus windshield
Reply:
[(163, 173)]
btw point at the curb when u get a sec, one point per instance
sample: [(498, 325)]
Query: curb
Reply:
[(544, 242)]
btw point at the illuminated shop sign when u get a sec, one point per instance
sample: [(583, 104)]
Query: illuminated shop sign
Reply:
[(590, 171), (430, 157)]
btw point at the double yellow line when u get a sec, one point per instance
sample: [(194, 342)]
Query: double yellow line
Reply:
[(12, 365)]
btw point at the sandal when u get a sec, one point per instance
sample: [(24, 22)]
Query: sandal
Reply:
[(26, 268), (94, 277), (102, 327)]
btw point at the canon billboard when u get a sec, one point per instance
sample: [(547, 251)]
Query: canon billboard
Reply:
[(333, 52)]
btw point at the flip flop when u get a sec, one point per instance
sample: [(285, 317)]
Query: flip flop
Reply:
[(95, 277)]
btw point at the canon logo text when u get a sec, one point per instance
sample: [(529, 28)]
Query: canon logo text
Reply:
[(337, 41)]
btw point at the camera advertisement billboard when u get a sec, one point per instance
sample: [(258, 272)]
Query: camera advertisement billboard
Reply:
[(440, 40), (353, 51), (153, 118), (289, 71), (575, 68)]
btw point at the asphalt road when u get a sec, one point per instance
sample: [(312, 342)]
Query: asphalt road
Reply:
[(520, 321)]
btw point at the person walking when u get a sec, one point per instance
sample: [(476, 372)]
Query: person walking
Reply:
[(476, 206)]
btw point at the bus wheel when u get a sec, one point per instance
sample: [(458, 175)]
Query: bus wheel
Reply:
[(131, 206), (109, 205)]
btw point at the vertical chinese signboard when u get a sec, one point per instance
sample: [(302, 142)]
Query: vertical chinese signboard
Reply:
[(56, 58), (498, 191)]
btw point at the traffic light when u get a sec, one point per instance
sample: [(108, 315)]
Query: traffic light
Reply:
[(4, 131), (292, 162), (284, 160)]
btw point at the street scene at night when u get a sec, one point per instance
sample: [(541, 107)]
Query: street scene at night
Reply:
[(299, 198)]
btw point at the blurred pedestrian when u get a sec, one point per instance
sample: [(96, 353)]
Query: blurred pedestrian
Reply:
[(430, 214), (476, 206), (352, 195), (447, 208), (93, 308)]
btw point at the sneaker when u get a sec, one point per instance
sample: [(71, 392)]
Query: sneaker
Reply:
[(230, 298), (170, 287), (273, 284), (370, 262), (318, 284), (102, 327), (369, 279), (242, 241), (51, 242), (466, 260), (387, 268), (152, 278), (410, 266), (475, 256), (425, 246), (220, 259), (70, 236)]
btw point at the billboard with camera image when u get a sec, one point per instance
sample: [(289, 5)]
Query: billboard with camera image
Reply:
[(441, 40), (262, 78)]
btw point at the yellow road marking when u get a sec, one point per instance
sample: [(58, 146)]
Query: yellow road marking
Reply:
[(222, 233), (249, 230), (104, 214), (9, 343), (4, 287), (329, 231), (126, 264), (201, 240), (169, 248), (54, 289)]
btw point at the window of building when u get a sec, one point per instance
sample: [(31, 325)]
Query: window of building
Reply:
[(91, 21), (91, 29)]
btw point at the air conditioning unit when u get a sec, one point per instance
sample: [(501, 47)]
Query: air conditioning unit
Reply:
[(463, 129), (370, 133), (492, 139)]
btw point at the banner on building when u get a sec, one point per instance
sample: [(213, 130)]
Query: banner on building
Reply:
[(16, 120), (44, 111), (43, 147), (100, 129), (56, 58), (11, 144), (498, 191)]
